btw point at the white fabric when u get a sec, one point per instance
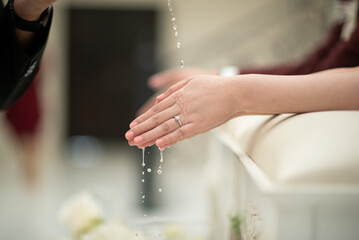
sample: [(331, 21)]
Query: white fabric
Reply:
[(315, 148)]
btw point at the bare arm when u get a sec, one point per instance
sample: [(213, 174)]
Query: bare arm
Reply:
[(204, 102), (336, 89)]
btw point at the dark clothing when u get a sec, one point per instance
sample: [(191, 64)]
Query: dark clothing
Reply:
[(24, 116), (17, 68)]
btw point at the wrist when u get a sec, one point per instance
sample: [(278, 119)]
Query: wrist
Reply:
[(239, 95)]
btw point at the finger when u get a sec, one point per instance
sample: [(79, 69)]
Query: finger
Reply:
[(157, 132), (131, 143), (163, 79), (145, 107), (148, 144), (151, 123), (158, 80), (157, 108), (172, 89), (184, 132)]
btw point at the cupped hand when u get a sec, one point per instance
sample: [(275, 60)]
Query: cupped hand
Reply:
[(163, 80), (168, 78), (202, 103)]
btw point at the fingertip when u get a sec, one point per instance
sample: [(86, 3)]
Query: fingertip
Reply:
[(129, 135), (138, 139), (159, 142), (153, 82), (160, 97), (133, 124)]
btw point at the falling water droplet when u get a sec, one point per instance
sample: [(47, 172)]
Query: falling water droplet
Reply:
[(178, 44), (160, 190), (175, 27), (143, 180), (143, 157), (143, 173), (182, 64), (149, 170), (144, 196), (161, 154), (159, 171), (170, 8), (176, 34), (173, 19)]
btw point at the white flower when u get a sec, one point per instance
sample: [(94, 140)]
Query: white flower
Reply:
[(174, 231), (111, 231), (81, 213)]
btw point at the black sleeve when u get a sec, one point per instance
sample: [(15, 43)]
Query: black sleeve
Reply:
[(17, 68)]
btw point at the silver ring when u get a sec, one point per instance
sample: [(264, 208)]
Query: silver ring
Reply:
[(178, 120)]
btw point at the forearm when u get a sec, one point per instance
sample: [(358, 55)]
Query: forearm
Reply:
[(271, 94)]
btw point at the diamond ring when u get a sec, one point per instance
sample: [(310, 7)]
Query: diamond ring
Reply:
[(178, 120)]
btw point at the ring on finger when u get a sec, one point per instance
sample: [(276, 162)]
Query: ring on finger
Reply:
[(178, 120)]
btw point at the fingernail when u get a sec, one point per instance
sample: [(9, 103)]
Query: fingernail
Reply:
[(129, 135), (133, 124), (159, 97), (137, 140)]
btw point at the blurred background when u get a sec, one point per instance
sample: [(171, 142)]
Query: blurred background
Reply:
[(93, 79)]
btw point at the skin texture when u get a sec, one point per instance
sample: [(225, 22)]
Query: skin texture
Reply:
[(204, 102), (165, 79)]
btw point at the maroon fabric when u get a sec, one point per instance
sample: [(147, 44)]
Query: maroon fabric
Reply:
[(24, 115), (333, 53)]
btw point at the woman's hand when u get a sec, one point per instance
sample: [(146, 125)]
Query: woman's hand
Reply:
[(163, 80), (170, 77), (202, 103)]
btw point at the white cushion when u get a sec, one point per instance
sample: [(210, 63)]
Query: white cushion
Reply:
[(314, 148)]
